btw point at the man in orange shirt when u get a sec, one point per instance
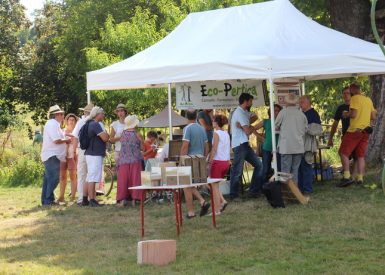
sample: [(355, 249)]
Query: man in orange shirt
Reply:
[(361, 113)]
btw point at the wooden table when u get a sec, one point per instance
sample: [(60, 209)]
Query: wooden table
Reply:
[(177, 196)]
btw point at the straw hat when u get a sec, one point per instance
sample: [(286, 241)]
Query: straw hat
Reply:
[(87, 108), (120, 106), (71, 115), (54, 110), (131, 122), (291, 98)]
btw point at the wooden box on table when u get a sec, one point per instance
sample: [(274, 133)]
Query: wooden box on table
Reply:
[(178, 175)]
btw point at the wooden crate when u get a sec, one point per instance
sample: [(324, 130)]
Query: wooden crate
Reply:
[(291, 193), (156, 252)]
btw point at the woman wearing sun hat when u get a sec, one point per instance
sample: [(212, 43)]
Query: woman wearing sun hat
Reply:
[(118, 127), (71, 159), (129, 162)]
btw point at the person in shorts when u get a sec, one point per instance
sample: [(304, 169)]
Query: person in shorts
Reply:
[(219, 160), (95, 153), (361, 112), (71, 159)]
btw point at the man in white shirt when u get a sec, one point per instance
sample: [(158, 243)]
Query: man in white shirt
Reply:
[(53, 151), (241, 129), (81, 165)]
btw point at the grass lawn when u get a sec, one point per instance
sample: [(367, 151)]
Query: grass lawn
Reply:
[(342, 231)]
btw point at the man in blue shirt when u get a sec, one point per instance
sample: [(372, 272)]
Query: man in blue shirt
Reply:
[(241, 129), (194, 143)]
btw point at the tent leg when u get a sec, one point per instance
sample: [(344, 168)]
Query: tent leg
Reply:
[(273, 139), (88, 97), (169, 112)]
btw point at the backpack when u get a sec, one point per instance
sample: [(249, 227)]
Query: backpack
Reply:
[(84, 139), (272, 191)]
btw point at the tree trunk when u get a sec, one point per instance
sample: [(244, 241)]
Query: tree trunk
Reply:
[(353, 17)]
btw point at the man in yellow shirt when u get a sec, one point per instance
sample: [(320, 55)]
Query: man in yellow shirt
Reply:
[(355, 140)]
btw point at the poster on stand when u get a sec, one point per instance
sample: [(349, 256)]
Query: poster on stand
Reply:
[(218, 94), (284, 89)]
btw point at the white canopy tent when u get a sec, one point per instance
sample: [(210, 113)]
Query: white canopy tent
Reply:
[(269, 40)]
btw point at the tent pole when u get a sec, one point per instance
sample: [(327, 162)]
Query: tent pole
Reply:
[(273, 139), (169, 112), (88, 97), (303, 88)]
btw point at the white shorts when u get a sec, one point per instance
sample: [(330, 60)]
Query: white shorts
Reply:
[(94, 168)]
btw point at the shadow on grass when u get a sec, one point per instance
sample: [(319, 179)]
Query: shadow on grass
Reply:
[(333, 234)]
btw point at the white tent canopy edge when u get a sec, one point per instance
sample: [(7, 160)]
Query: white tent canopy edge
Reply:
[(244, 42)]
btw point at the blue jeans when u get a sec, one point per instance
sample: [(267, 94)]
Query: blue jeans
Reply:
[(51, 180), (244, 153), (305, 177), (267, 158)]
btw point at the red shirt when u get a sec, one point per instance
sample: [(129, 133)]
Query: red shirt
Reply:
[(148, 146)]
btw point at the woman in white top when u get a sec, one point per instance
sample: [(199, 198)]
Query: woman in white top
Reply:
[(219, 159), (117, 128)]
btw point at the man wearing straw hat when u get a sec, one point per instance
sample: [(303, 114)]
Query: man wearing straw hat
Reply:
[(81, 165), (95, 153), (53, 151)]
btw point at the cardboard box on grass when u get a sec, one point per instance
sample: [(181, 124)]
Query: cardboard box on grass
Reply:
[(178, 175), (156, 252)]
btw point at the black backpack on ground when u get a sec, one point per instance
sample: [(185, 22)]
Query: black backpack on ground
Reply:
[(272, 191), (84, 139)]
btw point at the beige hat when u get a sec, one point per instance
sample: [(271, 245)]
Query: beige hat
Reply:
[(54, 110), (291, 98), (87, 108), (131, 122), (121, 106), (71, 115), (95, 111)]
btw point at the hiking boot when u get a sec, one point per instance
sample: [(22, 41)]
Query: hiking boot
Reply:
[(345, 182), (94, 203)]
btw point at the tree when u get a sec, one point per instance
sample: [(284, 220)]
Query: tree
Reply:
[(352, 17)]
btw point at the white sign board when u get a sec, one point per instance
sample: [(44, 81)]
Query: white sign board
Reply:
[(217, 94)]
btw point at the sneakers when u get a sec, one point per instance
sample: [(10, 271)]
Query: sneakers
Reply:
[(94, 203), (345, 182)]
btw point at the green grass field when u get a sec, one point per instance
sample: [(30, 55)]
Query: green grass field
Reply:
[(341, 231)]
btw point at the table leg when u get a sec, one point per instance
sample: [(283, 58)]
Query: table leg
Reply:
[(176, 211), (180, 207), (142, 212), (212, 205)]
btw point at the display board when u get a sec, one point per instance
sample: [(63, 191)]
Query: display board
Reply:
[(218, 94), (284, 89)]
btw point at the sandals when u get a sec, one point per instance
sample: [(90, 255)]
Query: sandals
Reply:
[(190, 217), (224, 206)]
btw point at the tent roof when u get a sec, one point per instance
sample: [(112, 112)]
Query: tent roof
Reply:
[(257, 41), (160, 120)]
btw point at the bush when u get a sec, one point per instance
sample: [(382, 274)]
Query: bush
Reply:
[(22, 172)]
